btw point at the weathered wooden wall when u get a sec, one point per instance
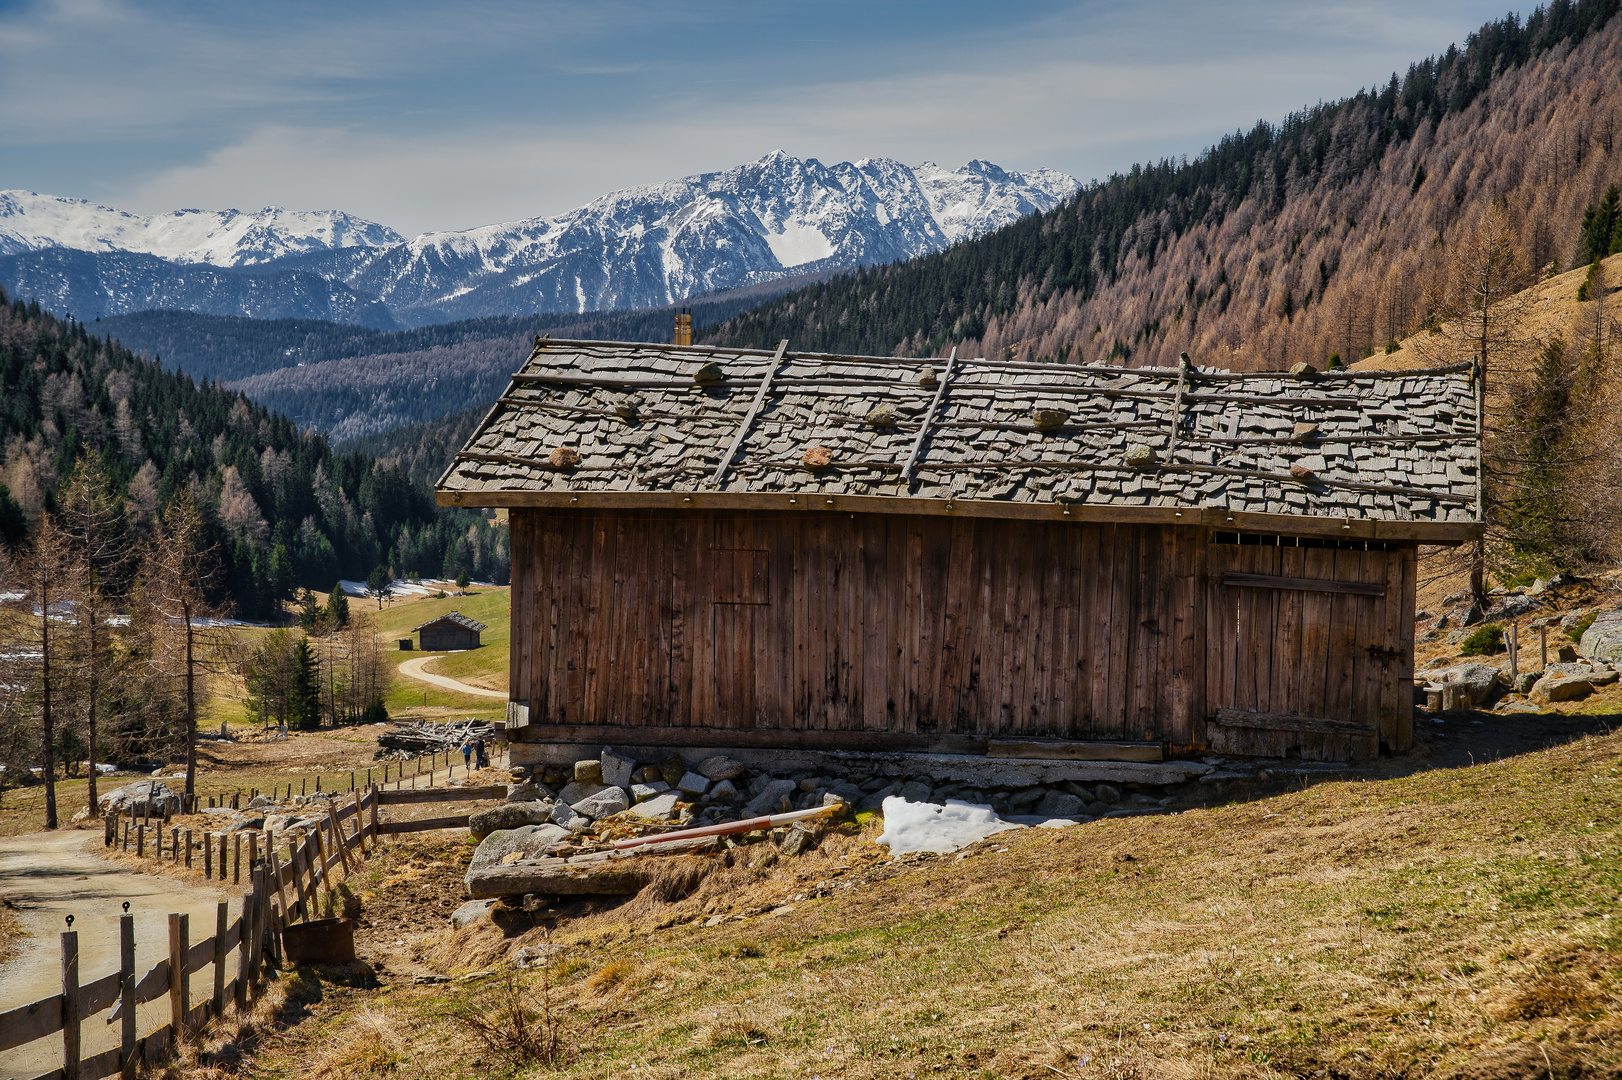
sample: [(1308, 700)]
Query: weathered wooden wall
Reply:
[(874, 631)]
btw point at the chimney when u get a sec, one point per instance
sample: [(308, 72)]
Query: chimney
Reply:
[(684, 327)]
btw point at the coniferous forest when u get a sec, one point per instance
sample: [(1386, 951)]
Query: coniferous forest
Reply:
[(1332, 232), (279, 507)]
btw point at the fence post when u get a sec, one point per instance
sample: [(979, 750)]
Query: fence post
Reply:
[(188, 849), (140, 841), (222, 927), (225, 848), (177, 977), (294, 856), (127, 1058), (276, 922), (276, 874), (70, 1006), (360, 826), (236, 859), (244, 949), (338, 839), (174, 843), (208, 855), (377, 824)]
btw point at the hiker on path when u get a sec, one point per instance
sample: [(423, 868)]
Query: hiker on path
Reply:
[(467, 755), (479, 754)]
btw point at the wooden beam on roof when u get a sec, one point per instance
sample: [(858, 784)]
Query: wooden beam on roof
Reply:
[(929, 417), (749, 417)]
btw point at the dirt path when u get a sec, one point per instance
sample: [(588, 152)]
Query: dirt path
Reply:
[(412, 669), (48, 876)]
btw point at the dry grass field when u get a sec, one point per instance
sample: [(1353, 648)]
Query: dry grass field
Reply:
[(1454, 922)]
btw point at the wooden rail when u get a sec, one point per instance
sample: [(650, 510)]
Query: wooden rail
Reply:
[(253, 935)]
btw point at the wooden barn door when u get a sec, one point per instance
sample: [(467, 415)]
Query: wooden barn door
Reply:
[(1306, 648)]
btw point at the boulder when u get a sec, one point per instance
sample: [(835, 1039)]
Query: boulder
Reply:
[(247, 824), (144, 797), (915, 791), (1020, 799), (643, 792), (528, 841), (1107, 793), (693, 784), (597, 874), (1603, 638), (724, 791), (1060, 804), (605, 803), (589, 771), (1552, 688), (563, 815), (661, 807), (507, 816), (801, 837), (579, 789), (616, 770), (847, 791), (1525, 680), (278, 822), (874, 800), (522, 793), (1480, 679), (1566, 654), (259, 802), (672, 769), (471, 912), (720, 767), (770, 799)]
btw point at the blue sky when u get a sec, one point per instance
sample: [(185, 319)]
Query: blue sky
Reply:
[(440, 116)]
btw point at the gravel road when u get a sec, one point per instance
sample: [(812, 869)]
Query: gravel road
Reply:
[(47, 876)]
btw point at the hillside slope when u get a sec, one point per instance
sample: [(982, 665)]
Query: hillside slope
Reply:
[(281, 508), (1329, 233)]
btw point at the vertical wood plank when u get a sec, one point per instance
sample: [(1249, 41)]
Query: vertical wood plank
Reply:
[(1101, 651), (221, 929), (902, 576), (128, 1048), (1317, 613), (872, 613), (959, 702), (71, 1055), (1123, 618), (178, 984), (1404, 661)]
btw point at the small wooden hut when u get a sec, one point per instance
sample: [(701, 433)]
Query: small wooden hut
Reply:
[(765, 549), (448, 632)]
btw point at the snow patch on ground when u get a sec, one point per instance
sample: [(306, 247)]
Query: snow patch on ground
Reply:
[(910, 826)]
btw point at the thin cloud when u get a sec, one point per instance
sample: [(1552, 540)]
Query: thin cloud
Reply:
[(426, 118)]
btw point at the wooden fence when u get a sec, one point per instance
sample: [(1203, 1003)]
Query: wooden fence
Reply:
[(285, 886)]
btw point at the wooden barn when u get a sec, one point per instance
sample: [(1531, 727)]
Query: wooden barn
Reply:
[(764, 549), (448, 632)]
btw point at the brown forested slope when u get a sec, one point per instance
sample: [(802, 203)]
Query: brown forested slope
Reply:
[(1348, 249)]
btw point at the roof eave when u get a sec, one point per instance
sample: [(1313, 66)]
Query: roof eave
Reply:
[(1428, 532)]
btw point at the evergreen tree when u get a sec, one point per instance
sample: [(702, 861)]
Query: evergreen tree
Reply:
[(1602, 227), (304, 688), (337, 608)]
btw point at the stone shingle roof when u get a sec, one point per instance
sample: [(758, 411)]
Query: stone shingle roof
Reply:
[(651, 422), (454, 617)]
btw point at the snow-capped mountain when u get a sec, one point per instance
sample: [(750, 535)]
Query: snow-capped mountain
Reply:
[(646, 246), (34, 222)]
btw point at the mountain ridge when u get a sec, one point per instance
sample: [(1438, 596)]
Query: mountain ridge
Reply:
[(637, 247)]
